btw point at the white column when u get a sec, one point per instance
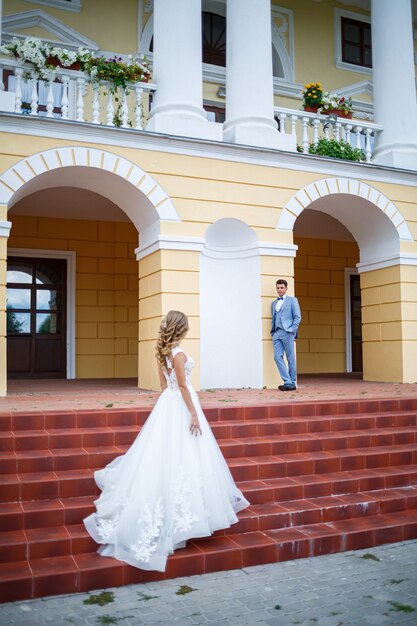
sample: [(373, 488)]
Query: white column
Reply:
[(249, 77), (394, 83), (1, 32), (178, 72)]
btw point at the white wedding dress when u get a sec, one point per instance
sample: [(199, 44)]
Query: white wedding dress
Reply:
[(170, 486)]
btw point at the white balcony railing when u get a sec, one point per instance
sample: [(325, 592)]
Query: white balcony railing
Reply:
[(309, 127), (69, 95)]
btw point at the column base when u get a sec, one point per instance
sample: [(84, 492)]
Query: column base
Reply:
[(261, 137), (402, 155), (185, 126)]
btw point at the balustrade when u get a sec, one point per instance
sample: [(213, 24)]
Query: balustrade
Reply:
[(69, 95), (309, 127)]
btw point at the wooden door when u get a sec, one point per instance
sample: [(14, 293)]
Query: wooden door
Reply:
[(36, 317), (356, 322)]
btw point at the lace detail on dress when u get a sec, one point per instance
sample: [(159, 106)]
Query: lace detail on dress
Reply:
[(170, 374), (183, 515), (152, 519), (105, 527)]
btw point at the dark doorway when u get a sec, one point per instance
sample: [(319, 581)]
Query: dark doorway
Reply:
[(356, 322), (36, 317)]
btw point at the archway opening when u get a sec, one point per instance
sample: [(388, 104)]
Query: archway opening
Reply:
[(327, 286), (80, 321)]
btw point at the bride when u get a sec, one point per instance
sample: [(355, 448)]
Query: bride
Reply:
[(173, 483)]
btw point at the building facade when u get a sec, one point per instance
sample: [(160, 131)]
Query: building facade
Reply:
[(189, 192)]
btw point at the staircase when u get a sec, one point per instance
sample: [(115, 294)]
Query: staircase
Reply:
[(322, 477)]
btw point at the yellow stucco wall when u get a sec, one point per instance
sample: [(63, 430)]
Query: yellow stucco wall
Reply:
[(106, 288), (320, 288), (111, 25), (204, 190), (389, 324)]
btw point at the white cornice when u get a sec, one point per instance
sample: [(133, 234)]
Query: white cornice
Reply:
[(198, 244), (377, 264), (11, 24), (74, 6), (72, 131), (5, 227), (277, 249), (170, 242)]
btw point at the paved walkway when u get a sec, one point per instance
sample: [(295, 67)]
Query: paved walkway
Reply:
[(57, 395), (374, 587)]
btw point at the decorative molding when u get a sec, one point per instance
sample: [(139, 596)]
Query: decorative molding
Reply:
[(342, 65), (325, 187), (33, 166), (29, 19), (70, 257), (380, 263), (198, 244), (362, 86), (287, 88), (72, 5), (277, 249), (170, 242), (5, 227), (73, 131)]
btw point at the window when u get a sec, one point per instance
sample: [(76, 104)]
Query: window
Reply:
[(215, 114), (214, 39), (356, 42)]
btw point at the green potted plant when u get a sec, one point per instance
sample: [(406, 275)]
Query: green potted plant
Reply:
[(117, 72), (312, 97), (332, 103), (337, 150)]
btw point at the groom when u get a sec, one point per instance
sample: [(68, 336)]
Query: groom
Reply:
[(286, 317)]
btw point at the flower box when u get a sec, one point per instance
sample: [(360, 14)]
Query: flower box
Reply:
[(57, 63), (339, 112)]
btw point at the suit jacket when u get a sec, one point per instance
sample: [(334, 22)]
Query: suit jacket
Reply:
[(290, 315)]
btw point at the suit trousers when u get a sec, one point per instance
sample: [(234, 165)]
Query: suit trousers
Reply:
[(284, 344)]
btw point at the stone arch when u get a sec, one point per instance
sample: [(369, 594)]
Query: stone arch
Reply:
[(114, 175), (374, 221)]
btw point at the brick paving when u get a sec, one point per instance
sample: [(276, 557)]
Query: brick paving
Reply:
[(53, 395), (331, 590)]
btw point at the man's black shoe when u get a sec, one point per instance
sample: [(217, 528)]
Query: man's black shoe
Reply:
[(287, 387)]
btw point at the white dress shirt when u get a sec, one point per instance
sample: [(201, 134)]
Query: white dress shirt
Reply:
[(280, 303)]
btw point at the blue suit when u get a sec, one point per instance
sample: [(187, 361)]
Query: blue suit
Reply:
[(284, 331)]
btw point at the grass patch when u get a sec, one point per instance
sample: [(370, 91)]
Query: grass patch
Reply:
[(335, 613), (398, 606), (368, 597), (109, 405), (144, 597), (396, 581), (370, 557), (184, 589), (103, 598), (277, 607)]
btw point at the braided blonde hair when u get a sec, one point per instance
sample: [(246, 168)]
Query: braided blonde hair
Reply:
[(173, 329)]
